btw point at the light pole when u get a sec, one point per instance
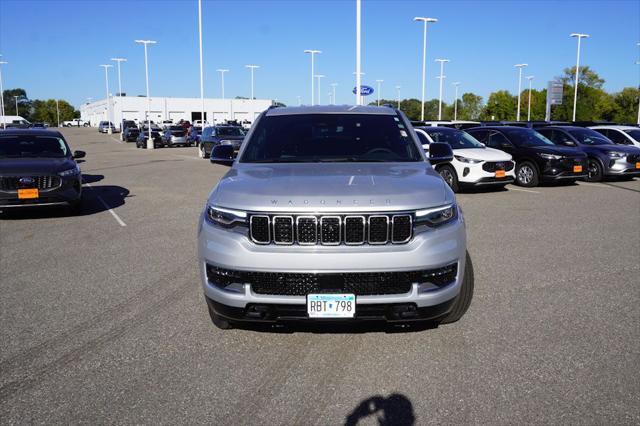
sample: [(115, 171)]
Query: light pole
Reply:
[(441, 78), (222, 71), (313, 73), (455, 102), (379, 91), (202, 117), (361, 98), (252, 68), (319, 76), (424, 56), (575, 91), (333, 91), (106, 78), (120, 60), (16, 98), (530, 77), (398, 96), (519, 66), (358, 36), (299, 100), (4, 120), (150, 144), (58, 113)]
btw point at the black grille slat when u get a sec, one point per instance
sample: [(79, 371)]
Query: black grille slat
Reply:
[(378, 229), (260, 232), (401, 228), (354, 230), (330, 230), (307, 229), (283, 229), (12, 183), (358, 283)]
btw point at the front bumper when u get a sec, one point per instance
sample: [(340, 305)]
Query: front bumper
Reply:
[(475, 175), (430, 249), (621, 167), (69, 191), (556, 170)]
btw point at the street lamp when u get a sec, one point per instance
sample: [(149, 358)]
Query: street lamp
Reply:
[(519, 66), (319, 76), (441, 78), (120, 60), (333, 91), (398, 92), (4, 120), (313, 73), (299, 100), (424, 56), (530, 77), (106, 79), (252, 68), (575, 91), (16, 98), (222, 71), (455, 102), (150, 144), (58, 114), (202, 117), (379, 91), (360, 97)]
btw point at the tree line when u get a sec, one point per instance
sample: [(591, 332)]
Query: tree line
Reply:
[(37, 110), (594, 104)]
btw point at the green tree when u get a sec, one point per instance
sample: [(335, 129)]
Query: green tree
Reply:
[(501, 105), (538, 104), (469, 107), (626, 103), (45, 111), (587, 77), (24, 104)]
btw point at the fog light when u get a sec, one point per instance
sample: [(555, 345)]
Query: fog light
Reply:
[(465, 172)]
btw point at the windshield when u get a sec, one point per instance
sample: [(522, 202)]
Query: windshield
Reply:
[(230, 131), (303, 138), (457, 139), (634, 133), (526, 137), (589, 137), (32, 146)]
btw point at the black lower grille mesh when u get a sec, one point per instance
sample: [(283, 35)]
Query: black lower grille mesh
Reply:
[(360, 284)]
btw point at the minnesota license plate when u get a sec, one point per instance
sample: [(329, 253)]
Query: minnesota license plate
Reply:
[(499, 173), (29, 193), (331, 305), (577, 169)]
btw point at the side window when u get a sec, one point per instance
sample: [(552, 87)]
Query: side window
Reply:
[(603, 132), (480, 135), (557, 137), (496, 140), (617, 137), (423, 139)]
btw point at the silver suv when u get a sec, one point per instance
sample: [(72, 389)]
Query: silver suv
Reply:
[(333, 213)]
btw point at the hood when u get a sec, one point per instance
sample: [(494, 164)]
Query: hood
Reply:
[(32, 166), (484, 154), (338, 187), (559, 150)]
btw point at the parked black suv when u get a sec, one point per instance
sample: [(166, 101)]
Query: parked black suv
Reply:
[(141, 141), (605, 157), (220, 135), (130, 131), (537, 158), (37, 168)]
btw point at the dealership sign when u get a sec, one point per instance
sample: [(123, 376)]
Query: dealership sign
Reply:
[(554, 93), (364, 90)]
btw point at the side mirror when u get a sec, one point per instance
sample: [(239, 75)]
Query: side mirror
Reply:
[(222, 154), (483, 145), (440, 152), (506, 145), (79, 154), (569, 143)]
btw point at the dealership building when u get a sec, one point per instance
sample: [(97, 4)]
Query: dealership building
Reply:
[(176, 109)]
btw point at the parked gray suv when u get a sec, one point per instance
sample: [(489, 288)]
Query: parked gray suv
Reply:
[(333, 213)]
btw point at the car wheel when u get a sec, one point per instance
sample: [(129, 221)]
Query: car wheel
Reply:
[(219, 322), (526, 174), (594, 170), (449, 175), (463, 300)]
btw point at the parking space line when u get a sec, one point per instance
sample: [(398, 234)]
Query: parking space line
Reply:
[(106, 206), (524, 190), (117, 140)]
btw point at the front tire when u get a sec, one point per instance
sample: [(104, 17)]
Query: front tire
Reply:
[(527, 174), (463, 300), (218, 321), (449, 175), (595, 170)]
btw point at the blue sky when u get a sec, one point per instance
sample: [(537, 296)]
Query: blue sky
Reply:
[(54, 47)]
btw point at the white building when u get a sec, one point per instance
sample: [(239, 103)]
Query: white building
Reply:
[(135, 108)]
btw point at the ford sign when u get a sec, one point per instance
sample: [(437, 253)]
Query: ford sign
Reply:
[(364, 90)]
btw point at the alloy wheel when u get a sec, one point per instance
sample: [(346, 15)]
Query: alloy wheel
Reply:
[(525, 174)]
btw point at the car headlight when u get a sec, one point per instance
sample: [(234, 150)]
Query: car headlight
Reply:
[(226, 218), (616, 154), (467, 160), (437, 216), (549, 156), (71, 172)]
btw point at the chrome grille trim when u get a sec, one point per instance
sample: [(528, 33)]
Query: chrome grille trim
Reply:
[(322, 219), (369, 233), (268, 229), (393, 221), (364, 229), (315, 222), (290, 219)]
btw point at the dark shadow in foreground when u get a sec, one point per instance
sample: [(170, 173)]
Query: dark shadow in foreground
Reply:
[(394, 410)]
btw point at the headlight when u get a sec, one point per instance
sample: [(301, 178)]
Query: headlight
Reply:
[(549, 156), (437, 216), (467, 160), (226, 218), (616, 154), (71, 172)]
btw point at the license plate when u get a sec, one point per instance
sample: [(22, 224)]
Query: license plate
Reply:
[(499, 173), (638, 165), (331, 305), (29, 193), (577, 169)]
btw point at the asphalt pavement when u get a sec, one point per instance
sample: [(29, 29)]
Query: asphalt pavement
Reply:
[(104, 321)]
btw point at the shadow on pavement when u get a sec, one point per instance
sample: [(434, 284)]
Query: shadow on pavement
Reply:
[(396, 409)]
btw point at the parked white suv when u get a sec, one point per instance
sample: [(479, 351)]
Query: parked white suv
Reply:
[(622, 135)]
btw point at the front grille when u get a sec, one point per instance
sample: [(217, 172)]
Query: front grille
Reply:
[(331, 230), (492, 166), (13, 183), (358, 283), (633, 158)]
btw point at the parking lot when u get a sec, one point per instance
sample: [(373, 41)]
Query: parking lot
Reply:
[(104, 321)]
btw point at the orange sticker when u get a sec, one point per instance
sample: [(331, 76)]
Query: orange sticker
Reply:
[(25, 194), (577, 169), (638, 165), (499, 173)]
